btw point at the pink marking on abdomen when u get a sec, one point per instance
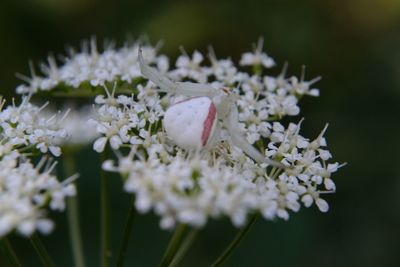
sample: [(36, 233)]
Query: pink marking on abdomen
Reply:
[(208, 123)]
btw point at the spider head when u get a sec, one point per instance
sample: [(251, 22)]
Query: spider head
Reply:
[(223, 101)]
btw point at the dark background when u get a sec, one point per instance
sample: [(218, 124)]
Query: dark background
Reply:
[(353, 44)]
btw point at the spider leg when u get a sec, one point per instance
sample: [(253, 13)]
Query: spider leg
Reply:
[(195, 89), (166, 85), (240, 141), (155, 76)]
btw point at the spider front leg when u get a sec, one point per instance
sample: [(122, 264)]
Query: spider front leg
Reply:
[(240, 141), (168, 86)]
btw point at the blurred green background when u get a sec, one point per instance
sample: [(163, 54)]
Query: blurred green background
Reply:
[(353, 44)]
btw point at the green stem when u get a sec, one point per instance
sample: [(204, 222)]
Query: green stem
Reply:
[(173, 246), (105, 252), (257, 69), (187, 243), (9, 253), (41, 251), (74, 93), (85, 94), (73, 215), (235, 242), (126, 234)]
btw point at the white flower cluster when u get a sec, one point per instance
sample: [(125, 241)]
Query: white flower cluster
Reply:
[(191, 188), (187, 191), (27, 125), (122, 120), (308, 173), (264, 96), (90, 66), (26, 191), (268, 99)]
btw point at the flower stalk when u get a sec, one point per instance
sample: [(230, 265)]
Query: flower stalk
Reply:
[(173, 246), (105, 252), (234, 243), (73, 215), (41, 251), (186, 244), (126, 234), (9, 253)]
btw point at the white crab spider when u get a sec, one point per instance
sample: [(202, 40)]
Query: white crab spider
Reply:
[(195, 123)]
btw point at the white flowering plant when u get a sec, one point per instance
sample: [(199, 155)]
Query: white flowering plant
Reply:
[(192, 143)]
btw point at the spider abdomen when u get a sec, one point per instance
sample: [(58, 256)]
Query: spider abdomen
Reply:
[(191, 123)]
